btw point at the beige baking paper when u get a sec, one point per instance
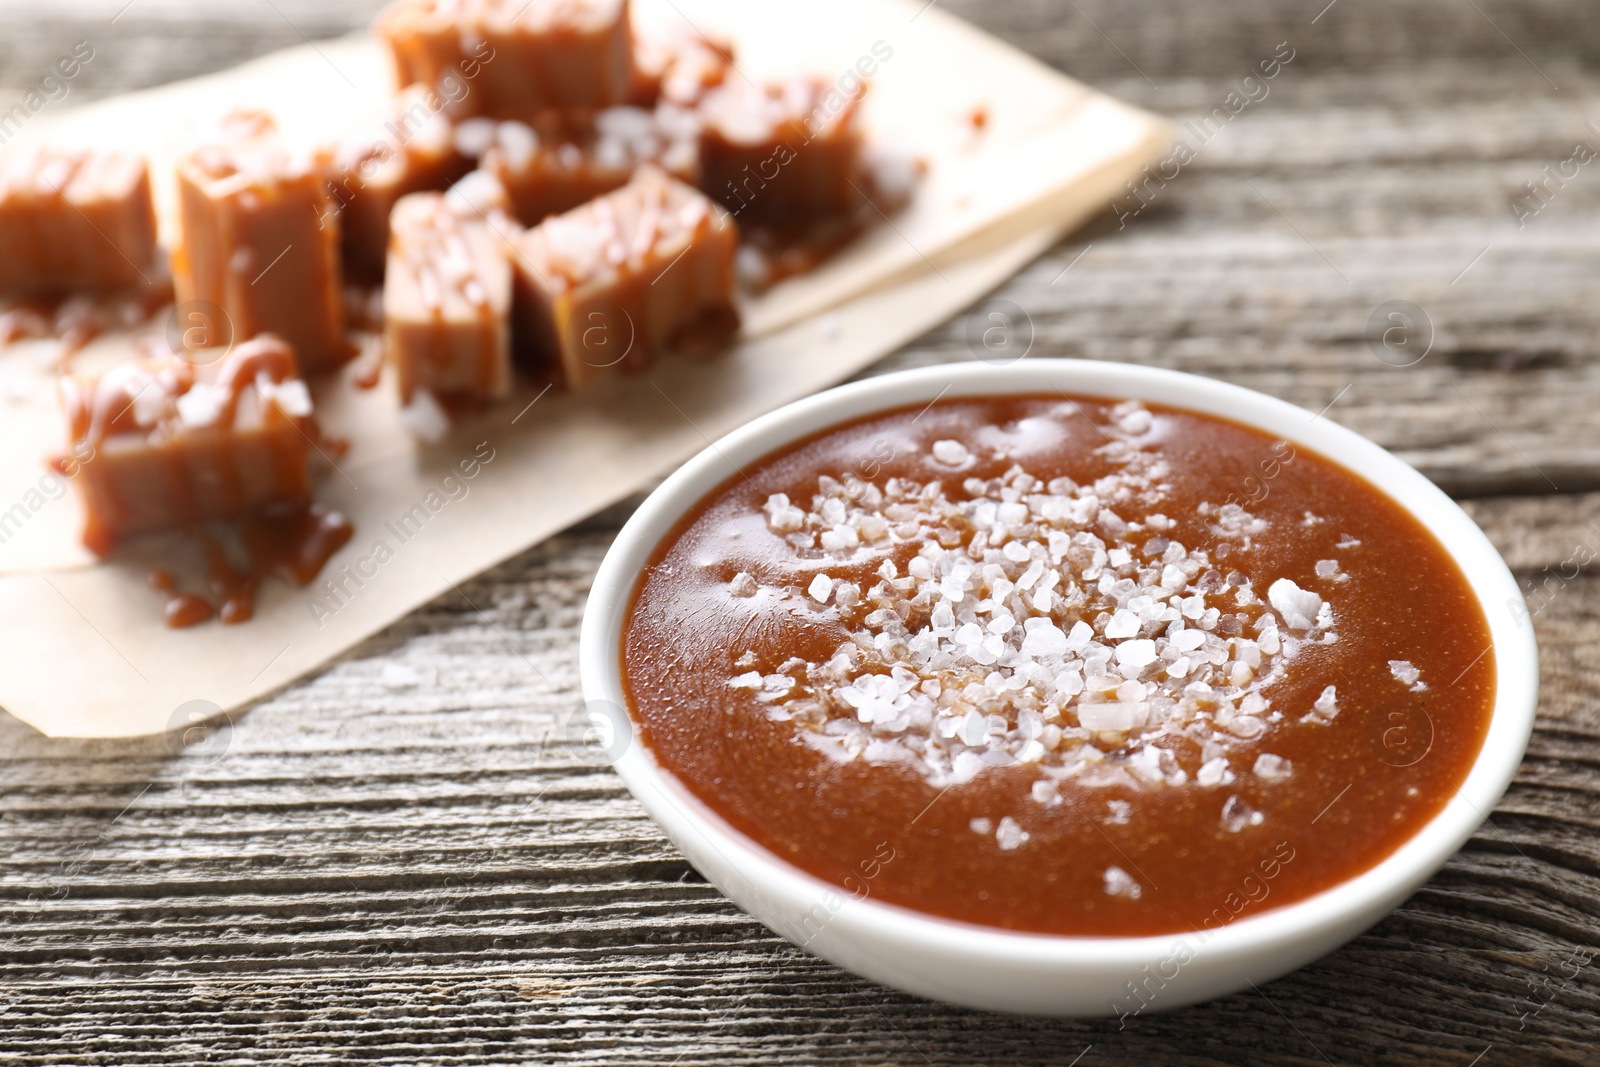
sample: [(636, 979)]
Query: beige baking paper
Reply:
[(82, 650)]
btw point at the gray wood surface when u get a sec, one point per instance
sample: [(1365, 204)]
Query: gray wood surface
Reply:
[(403, 859)]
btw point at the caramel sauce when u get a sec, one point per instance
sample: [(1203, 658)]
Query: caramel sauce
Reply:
[(182, 609), (1361, 786), (292, 542)]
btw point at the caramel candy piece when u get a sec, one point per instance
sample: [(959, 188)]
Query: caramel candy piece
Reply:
[(678, 68), (610, 284), (561, 160), (162, 443), (513, 58), (447, 301), (75, 220), (412, 151), (788, 151), (260, 240)]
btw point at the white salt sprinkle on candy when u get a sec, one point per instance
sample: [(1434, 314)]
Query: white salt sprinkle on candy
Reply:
[(950, 453), (751, 680), (1119, 883), (1136, 653), (1124, 623), (1407, 674), (1327, 568), (1298, 606), (1236, 815), (982, 826), (1009, 835), (1043, 791), (743, 585), (1271, 767), (821, 588), (1080, 636), (1106, 718), (1043, 639)]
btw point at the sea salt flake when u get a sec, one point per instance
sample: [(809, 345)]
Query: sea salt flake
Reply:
[(950, 453), (1080, 636), (752, 680), (743, 585), (1407, 675), (1136, 653), (1123, 623), (1119, 883), (1108, 717), (1325, 709), (1044, 640), (1009, 835), (821, 588), (1299, 607), (1214, 771), (981, 826), (1272, 768), (1236, 815)]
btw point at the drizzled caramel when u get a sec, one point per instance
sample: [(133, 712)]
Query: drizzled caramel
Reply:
[(160, 443)]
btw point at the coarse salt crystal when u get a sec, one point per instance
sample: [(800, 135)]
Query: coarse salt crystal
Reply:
[(1044, 639), (1272, 767), (1407, 674), (1108, 717), (1009, 835), (1326, 707), (1214, 772), (821, 588), (1123, 623), (1136, 653), (1119, 883), (1299, 607), (743, 585), (1236, 815), (752, 680), (950, 453), (981, 826)]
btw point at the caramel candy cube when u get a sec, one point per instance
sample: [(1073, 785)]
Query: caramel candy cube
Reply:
[(513, 58), (260, 240), (784, 152), (75, 220), (164, 443), (608, 285), (678, 68), (412, 151), (447, 301), (561, 160)]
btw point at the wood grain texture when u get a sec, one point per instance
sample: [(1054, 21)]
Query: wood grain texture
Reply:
[(404, 858)]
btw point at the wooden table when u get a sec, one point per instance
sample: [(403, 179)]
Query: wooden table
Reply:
[(402, 859)]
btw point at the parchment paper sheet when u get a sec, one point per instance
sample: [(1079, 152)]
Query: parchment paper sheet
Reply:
[(82, 649)]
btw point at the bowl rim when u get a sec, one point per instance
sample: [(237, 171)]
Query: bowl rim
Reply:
[(1369, 893)]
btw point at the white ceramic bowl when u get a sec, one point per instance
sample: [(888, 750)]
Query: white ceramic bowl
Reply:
[(1037, 973)]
